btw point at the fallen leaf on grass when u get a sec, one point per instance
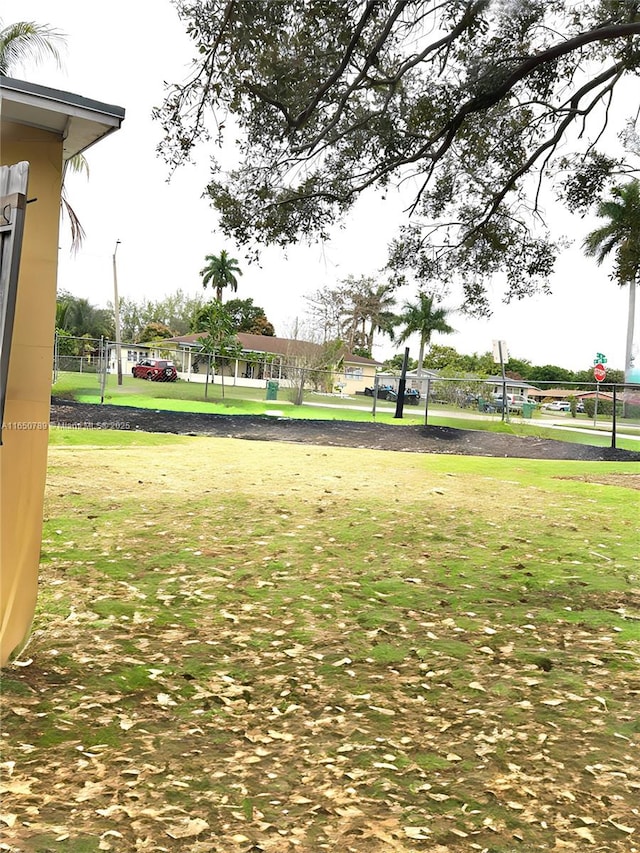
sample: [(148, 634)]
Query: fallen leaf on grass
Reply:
[(295, 651), (419, 833), (17, 787), (187, 828), (585, 833), (627, 829), (279, 735)]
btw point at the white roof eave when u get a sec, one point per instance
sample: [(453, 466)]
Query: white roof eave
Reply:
[(80, 122)]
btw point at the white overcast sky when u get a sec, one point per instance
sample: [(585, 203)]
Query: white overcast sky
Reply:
[(121, 53)]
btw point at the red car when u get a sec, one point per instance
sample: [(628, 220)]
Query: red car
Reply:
[(155, 370)]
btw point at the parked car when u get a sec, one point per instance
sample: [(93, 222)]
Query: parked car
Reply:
[(513, 402), (411, 396), (559, 406), (155, 370), (383, 391), (467, 400)]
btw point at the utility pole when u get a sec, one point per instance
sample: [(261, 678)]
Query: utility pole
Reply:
[(116, 315), (402, 384)]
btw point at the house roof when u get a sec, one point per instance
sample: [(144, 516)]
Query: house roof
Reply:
[(426, 374), (271, 345), (514, 383), (591, 395), (561, 393), (79, 121)]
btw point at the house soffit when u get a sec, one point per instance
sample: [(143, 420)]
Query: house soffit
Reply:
[(79, 121)]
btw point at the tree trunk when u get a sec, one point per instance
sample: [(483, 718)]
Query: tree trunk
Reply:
[(206, 382), (420, 357), (628, 356)]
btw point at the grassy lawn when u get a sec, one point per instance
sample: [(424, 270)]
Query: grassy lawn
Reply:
[(250, 647), (189, 396)]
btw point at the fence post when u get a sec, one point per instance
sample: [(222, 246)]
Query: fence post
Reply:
[(402, 384), (55, 357), (426, 405), (613, 420), (103, 367)]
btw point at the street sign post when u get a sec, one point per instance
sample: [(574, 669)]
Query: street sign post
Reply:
[(600, 372), (501, 356)]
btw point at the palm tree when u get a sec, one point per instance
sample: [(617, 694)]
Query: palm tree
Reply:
[(422, 318), (381, 317), (78, 163), (367, 309), (27, 42), (621, 235), (220, 272)]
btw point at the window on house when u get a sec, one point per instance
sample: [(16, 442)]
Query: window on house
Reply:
[(353, 373)]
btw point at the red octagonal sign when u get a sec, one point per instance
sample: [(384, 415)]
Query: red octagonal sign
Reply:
[(600, 372)]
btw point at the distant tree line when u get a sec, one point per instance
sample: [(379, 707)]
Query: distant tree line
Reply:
[(349, 314), (448, 360), (147, 320)]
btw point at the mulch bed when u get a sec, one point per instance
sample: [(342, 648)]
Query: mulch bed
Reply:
[(411, 439)]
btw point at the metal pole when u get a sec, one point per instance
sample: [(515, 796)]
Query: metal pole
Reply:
[(613, 420), (116, 315), (402, 384), (505, 405), (426, 405), (376, 382), (55, 357), (103, 367)]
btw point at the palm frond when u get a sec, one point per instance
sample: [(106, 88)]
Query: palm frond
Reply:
[(28, 42), (78, 233)]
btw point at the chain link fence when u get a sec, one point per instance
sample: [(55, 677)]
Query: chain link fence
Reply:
[(506, 398), (78, 355)]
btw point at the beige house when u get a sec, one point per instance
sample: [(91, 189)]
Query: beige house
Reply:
[(262, 358)]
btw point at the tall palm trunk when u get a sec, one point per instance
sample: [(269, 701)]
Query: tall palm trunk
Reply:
[(423, 343), (628, 355)]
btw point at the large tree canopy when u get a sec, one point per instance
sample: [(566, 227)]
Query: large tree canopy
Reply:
[(463, 102)]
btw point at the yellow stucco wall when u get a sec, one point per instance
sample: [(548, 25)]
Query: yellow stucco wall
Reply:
[(23, 454)]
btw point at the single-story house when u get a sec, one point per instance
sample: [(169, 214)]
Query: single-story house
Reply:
[(512, 386), (429, 378), (262, 358), (558, 393)]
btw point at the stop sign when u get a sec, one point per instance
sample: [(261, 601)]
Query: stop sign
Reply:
[(600, 372)]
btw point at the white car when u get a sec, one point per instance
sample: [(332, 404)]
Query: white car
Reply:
[(514, 402), (559, 406)]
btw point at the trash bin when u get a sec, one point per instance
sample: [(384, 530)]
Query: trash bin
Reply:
[(527, 409), (481, 404), (272, 389)]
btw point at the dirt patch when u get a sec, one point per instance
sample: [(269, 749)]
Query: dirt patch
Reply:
[(410, 439), (627, 481)]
